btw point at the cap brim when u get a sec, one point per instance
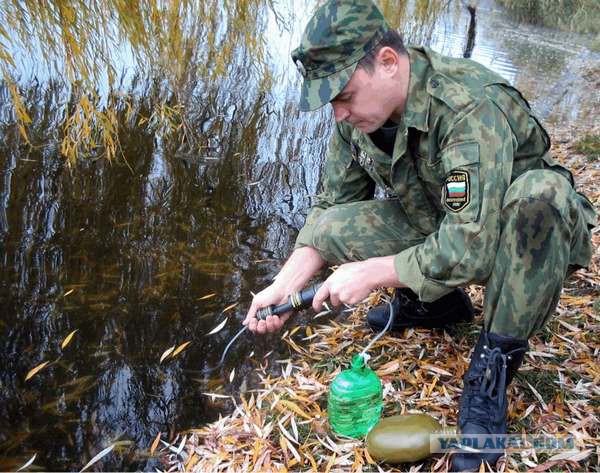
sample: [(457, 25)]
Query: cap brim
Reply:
[(318, 92)]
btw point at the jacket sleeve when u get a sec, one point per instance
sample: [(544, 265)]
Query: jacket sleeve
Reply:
[(477, 146), (343, 181)]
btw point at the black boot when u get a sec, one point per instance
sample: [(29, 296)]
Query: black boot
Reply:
[(483, 403), (409, 311)]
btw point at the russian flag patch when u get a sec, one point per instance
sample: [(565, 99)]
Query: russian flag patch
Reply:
[(456, 195)]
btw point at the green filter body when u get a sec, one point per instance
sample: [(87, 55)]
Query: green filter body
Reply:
[(355, 400)]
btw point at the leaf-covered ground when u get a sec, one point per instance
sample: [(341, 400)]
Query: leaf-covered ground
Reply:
[(283, 426)]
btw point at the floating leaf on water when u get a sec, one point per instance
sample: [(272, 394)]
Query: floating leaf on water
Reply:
[(229, 307), (123, 443), (103, 453), (218, 327), (166, 353), (33, 371), (180, 348), (154, 444), (215, 395), (67, 339), (29, 462), (207, 296), (232, 375)]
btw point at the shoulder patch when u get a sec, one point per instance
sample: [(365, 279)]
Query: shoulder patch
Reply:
[(457, 191)]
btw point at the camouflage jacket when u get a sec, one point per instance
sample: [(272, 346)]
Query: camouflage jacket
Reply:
[(464, 123)]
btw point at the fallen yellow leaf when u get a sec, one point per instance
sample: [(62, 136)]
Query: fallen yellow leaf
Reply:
[(311, 459), (154, 444), (389, 368), (32, 372), (294, 408), (67, 339), (180, 348), (166, 353), (330, 463), (218, 327), (229, 307), (189, 466)]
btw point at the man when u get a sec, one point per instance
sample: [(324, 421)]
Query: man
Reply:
[(474, 197)]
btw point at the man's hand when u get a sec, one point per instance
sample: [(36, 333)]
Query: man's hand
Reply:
[(302, 264), (353, 282), (271, 295)]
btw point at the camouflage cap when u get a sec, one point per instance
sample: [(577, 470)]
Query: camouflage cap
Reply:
[(339, 34)]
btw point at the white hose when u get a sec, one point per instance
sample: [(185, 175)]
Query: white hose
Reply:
[(363, 353)]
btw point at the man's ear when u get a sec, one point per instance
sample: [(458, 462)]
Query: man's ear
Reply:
[(388, 59)]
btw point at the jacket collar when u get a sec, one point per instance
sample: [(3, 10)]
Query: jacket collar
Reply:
[(416, 112)]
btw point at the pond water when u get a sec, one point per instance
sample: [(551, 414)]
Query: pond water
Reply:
[(126, 254)]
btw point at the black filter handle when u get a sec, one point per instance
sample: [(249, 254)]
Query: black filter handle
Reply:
[(296, 301)]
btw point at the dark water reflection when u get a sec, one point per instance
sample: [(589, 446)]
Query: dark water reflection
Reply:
[(124, 252)]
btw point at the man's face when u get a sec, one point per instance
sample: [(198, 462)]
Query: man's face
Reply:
[(366, 101)]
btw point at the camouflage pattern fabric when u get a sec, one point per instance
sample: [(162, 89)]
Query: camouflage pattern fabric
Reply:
[(544, 236), (475, 197), (338, 35)]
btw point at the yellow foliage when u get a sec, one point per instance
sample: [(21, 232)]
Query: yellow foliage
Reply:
[(172, 41)]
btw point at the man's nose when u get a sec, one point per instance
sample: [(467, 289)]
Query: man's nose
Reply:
[(339, 112)]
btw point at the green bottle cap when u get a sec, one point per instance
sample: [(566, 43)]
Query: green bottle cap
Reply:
[(358, 362)]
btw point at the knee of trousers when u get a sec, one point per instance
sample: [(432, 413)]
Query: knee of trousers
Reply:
[(330, 237), (357, 231), (539, 207), (542, 188)]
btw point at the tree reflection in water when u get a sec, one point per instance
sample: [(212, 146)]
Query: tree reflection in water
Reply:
[(211, 172)]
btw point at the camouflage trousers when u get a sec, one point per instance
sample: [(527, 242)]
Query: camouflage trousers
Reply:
[(545, 236)]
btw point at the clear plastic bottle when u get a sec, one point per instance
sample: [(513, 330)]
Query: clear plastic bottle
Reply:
[(355, 400)]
